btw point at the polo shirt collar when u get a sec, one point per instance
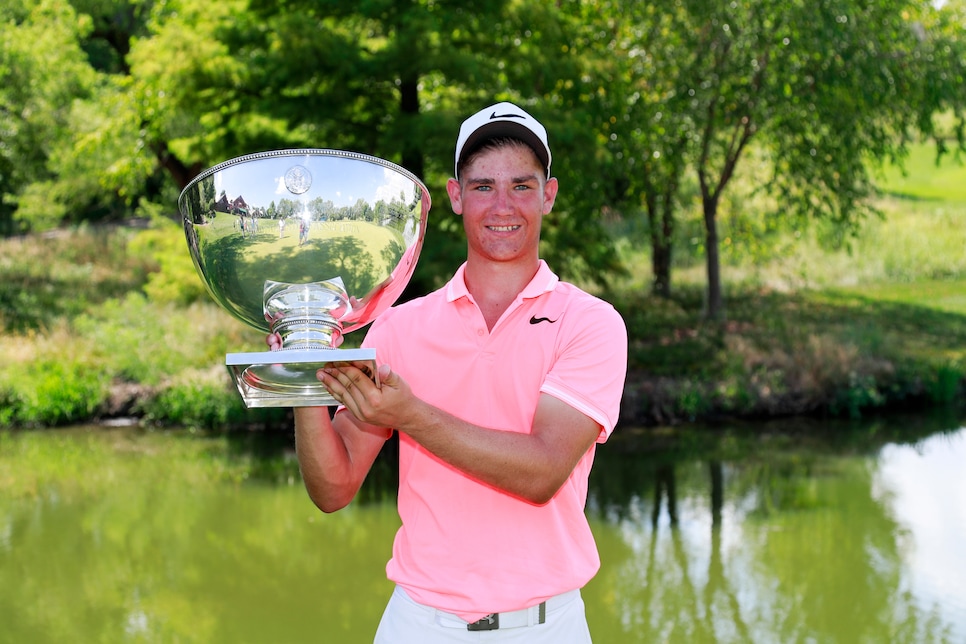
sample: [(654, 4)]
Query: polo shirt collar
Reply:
[(543, 281)]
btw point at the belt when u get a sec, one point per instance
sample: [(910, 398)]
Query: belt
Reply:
[(524, 617)]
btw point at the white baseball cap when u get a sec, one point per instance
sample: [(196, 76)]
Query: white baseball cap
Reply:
[(503, 119)]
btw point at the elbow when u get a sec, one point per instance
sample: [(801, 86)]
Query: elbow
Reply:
[(536, 485), (330, 501), (539, 500), (541, 494), (329, 507)]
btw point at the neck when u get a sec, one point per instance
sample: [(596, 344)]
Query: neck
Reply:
[(494, 285)]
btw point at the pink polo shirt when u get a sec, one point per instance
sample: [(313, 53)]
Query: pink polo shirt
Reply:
[(466, 547)]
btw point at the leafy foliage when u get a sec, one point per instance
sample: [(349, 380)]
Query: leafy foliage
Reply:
[(109, 107), (43, 74)]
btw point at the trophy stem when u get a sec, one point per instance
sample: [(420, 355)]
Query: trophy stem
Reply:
[(308, 332), (307, 316)]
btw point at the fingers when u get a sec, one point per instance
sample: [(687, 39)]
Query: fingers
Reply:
[(384, 372), (334, 386), (347, 381), (349, 372), (352, 385)]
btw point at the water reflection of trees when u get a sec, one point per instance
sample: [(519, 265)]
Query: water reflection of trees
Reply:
[(770, 541), (167, 557)]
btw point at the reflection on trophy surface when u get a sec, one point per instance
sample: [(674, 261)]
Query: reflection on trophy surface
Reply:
[(310, 244)]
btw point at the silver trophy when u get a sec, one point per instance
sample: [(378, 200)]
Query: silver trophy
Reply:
[(309, 244)]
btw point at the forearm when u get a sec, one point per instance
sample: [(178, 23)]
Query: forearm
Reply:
[(524, 464), (325, 460), (528, 462)]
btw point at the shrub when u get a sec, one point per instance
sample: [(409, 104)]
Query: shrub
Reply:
[(53, 392), (147, 342), (175, 281), (199, 399), (861, 393), (49, 378), (945, 384)]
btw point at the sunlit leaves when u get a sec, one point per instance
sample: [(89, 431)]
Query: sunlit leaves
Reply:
[(42, 72)]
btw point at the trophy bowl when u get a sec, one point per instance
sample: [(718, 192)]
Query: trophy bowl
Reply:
[(309, 244)]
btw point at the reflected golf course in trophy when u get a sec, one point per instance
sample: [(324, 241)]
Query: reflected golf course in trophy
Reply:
[(309, 244)]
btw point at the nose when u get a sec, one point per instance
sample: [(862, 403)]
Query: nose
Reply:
[(502, 202)]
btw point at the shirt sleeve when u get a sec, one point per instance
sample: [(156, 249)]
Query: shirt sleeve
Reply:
[(591, 365)]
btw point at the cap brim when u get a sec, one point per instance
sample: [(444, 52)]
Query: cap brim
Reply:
[(498, 129)]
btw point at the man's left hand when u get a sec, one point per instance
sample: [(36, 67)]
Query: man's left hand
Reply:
[(351, 384)]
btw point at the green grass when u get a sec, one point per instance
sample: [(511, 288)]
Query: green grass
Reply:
[(948, 296), (922, 178)]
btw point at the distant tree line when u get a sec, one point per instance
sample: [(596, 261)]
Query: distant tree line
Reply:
[(109, 108)]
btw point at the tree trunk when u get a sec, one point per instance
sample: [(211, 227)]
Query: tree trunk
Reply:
[(6, 222), (662, 227), (412, 157), (661, 267), (181, 173), (715, 301), (664, 482)]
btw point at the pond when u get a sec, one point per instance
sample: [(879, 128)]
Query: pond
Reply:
[(787, 532)]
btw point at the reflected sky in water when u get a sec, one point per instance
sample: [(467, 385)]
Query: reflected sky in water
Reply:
[(925, 486)]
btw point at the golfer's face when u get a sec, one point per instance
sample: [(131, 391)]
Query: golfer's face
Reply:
[(502, 198)]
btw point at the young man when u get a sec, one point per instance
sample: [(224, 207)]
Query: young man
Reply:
[(500, 385)]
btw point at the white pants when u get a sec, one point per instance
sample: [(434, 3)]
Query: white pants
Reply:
[(407, 622)]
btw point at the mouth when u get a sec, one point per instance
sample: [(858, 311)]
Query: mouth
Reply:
[(503, 229)]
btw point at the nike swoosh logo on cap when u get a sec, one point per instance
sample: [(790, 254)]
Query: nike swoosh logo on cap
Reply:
[(494, 115)]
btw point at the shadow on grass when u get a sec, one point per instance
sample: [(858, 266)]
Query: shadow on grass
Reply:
[(671, 337)]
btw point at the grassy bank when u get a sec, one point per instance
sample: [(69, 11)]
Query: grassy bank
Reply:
[(107, 323)]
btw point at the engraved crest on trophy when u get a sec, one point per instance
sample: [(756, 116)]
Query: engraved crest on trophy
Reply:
[(309, 244)]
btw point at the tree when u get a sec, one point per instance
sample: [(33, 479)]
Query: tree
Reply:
[(827, 89), (391, 78), (650, 125), (44, 79), (842, 97), (169, 88)]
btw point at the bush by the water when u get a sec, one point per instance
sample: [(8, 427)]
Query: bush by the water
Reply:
[(101, 323)]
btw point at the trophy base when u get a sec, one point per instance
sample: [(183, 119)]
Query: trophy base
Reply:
[(287, 378)]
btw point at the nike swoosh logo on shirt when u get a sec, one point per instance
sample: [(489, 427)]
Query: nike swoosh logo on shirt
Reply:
[(535, 320)]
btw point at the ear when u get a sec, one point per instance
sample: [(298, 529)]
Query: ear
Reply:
[(549, 194), (455, 192)]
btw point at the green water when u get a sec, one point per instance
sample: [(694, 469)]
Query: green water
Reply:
[(852, 536)]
